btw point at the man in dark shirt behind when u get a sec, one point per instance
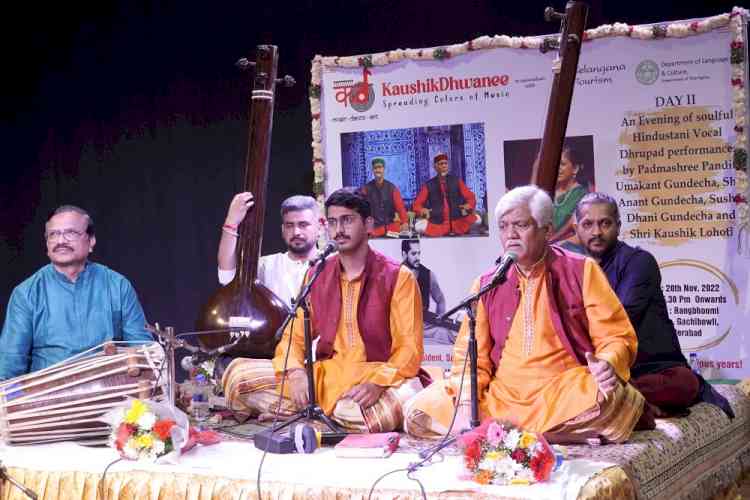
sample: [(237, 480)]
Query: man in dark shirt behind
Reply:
[(660, 370)]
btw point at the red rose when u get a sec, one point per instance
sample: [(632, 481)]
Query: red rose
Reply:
[(519, 455), (162, 428)]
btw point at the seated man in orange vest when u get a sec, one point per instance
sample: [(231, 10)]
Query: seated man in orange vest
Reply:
[(555, 345), (445, 204), (366, 313), (385, 200)]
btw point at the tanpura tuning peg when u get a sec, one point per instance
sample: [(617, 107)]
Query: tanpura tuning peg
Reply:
[(551, 15), (549, 43), (243, 64), (287, 81)]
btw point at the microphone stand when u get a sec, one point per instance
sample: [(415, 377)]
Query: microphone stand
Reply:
[(468, 304), (311, 411)]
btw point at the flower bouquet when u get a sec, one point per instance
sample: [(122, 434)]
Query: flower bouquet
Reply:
[(501, 453), (148, 430)]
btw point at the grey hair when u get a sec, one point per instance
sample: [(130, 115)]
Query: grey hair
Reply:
[(535, 199), (299, 202), (62, 209), (597, 198)]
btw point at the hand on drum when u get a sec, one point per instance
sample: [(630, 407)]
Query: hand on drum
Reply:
[(238, 208), (366, 394)]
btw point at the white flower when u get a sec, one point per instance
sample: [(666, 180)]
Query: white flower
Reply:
[(158, 447), (506, 467), (380, 59), (621, 28), (526, 474), (147, 421), (642, 32), (511, 439), (129, 450), (482, 42), (502, 41)]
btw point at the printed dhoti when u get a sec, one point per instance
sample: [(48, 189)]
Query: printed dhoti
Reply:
[(613, 418), (250, 385)]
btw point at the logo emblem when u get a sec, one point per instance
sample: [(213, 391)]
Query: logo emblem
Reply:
[(361, 95), (647, 72)]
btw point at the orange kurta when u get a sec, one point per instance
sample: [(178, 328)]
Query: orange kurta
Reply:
[(538, 384), (349, 366)]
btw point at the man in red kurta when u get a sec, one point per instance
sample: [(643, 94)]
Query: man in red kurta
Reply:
[(445, 203)]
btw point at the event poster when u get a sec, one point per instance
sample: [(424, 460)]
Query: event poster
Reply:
[(652, 124)]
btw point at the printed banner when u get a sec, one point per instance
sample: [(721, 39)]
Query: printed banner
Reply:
[(656, 118)]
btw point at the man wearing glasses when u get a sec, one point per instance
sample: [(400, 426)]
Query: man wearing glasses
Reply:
[(366, 312), (555, 344), (69, 305)]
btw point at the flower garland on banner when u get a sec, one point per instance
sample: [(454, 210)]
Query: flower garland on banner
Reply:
[(643, 32), (739, 106), (501, 453)]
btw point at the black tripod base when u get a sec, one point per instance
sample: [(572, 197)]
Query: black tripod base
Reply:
[(310, 413), (281, 442)]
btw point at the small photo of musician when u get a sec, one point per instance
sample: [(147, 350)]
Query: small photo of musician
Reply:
[(575, 178), (436, 331), (446, 206), (386, 203)]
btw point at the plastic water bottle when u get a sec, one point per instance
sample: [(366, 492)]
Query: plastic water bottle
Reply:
[(695, 363), (200, 406)]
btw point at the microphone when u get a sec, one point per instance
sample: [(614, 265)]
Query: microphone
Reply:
[(189, 362), (199, 356), (330, 248), (503, 264)]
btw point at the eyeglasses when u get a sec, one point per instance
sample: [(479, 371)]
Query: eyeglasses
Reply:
[(520, 226), (67, 234), (345, 220)]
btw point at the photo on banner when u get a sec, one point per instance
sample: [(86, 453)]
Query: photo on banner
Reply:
[(576, 177), (436, 331), (422, 181)]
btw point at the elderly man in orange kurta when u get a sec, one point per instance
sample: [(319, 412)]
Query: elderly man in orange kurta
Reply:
[(555, 344), (366, 313)]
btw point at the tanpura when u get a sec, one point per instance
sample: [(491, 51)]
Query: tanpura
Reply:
[(252, 311), (547, 167)]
